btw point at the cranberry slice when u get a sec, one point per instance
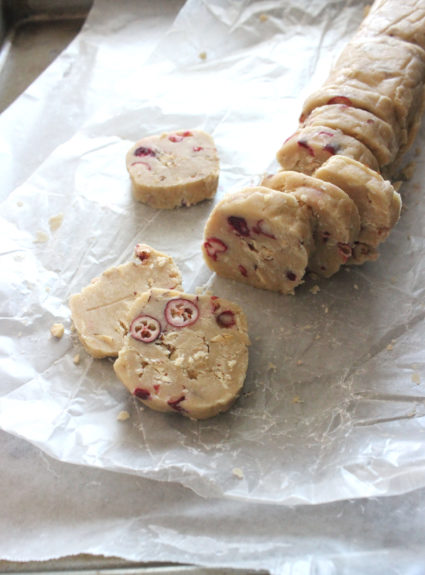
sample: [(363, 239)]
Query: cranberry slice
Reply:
[(226, 318), (344, 251), (340, 100), (239, 225), (144, 151), (142, 393), (214, 246), (306, 146), (175, 403), (181, 312), (145, 328)]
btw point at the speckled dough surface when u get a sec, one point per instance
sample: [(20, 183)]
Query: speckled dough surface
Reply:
[(261, 237), (376, 199), (373, 132), (309, 147), (184, 353), (174, 169), (336, 220), (98, 310)]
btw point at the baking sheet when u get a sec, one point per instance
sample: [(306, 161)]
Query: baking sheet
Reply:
[(334, 399)]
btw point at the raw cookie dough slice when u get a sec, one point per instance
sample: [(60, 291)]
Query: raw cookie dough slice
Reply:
[(373, 132), (260, 237), (377, 201), (391, 68), (365, 99), (98, 310), (184, 353), (337, 221), (172, 170), (311, 146)]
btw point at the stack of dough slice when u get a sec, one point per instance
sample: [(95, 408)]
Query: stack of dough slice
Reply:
[(352, 134)]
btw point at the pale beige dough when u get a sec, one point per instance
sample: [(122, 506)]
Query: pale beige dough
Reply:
[(174, 169), (310, 146), (261, 237), (377, 201), (336, 218), (373, 132), (363, 98), (98, 310), (404, 19), (196, 365), (391, 68)]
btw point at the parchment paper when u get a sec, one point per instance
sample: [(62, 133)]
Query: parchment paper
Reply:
[(334, 399)]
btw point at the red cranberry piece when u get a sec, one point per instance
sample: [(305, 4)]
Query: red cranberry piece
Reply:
[(142, 393), (344, 251), (197, 148), (145, 328), (239, 225), (291, 276), (331, 148), (180, 136), (143, 151), (226, 318), (340, 100), (303, 144), (147, 166), (289, 138), (243, 270), (214, 246), (261, 227), (325, 133), (302, 118), (175, 403), (181, 312), (141, 253)]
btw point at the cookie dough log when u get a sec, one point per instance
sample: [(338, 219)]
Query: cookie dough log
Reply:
[(98, 310), (377, 202), (392, 69), (261, 237), (309, 147), (184, 353), (374, 133), (336, 218), (404, 20), (174, 169)]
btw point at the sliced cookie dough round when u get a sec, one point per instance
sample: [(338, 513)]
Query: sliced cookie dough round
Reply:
[(337, 221), (260, 237), (373, 132), (376, 199), (311, 146), (174, 169), (98, 310), (184, 353), (363, 98)]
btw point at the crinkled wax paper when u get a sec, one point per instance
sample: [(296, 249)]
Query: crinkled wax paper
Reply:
[(334, 398)]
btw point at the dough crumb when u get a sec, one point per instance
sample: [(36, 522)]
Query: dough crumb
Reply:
[(55, 222), (237, 472), (263, 17), (20, 203), (416, 378), (389, 347), (315, 289), (123, 416), (57, 330), (40, 237), (76, 359), (203, 56), (355, 286), (300, 362), (297, 399)]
